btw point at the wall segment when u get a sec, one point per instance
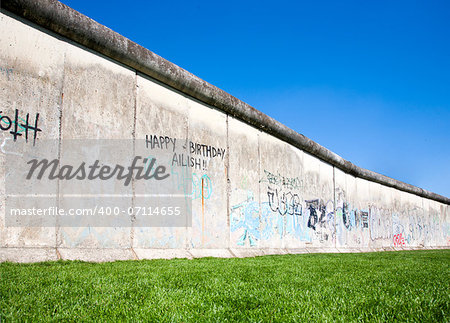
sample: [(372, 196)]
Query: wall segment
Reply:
[(270, 190)]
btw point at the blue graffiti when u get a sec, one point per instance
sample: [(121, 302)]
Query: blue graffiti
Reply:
[(261, 222), (246, 215), (191, 184)]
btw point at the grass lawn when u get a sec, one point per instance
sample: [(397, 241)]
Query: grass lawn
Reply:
[(389, 286)]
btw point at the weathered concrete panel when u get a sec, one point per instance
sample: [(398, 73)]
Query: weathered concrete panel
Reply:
[(208, 129), (291, 185), (380, 216), (245, 208), (273, 154), (298, 189), (362, 205), (99, 103), (31, 76), (160, 112), (438, 223), (352, 223), (318, 196), (402, 232)]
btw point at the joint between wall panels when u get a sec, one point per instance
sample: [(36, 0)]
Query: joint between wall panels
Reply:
[(133, 183), (259, 175), (188, 233), (228, 182), (334, 206), (59, 151)]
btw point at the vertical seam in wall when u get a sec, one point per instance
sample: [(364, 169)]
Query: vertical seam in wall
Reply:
[(57, 228), (133, 183), (334, 206), (259, 179), (425, 217), (391, 212), (228, 184), (187, 231), (369, 212)]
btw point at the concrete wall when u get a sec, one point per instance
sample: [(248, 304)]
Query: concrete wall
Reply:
[(272, 192)]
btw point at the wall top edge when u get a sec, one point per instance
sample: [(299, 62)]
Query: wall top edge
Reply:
[(61, 19)]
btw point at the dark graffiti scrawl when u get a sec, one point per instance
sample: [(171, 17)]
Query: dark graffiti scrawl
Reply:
[(19, 127), (318, 214), (364, 220), (284, 202), (194, 155)]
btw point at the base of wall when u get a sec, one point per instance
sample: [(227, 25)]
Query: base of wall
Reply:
[(30, 255)]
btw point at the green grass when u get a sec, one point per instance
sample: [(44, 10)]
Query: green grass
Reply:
[(389, 286)]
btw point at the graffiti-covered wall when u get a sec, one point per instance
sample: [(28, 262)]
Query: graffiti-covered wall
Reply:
[(256, 186)]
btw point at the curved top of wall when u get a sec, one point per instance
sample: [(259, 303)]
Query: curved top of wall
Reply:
[(59, 18)]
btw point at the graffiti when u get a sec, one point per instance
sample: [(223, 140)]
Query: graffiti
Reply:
[(244, 182), (380, 224), (205, 150), (321, 218), (353, 218), (399, 240), (5, 150), (8, 72), (345, 215), (201, 187), (314, 219), (160, 142), (17, 129), (281, 181), (286, 216), (288, 210), (195, 155), (187, 161), (413, 226), (364, 219), (350, 223), (398, 230), (283, 209), (192, 184), (256, 221), (417, 228), (245, 216), (284, 202)]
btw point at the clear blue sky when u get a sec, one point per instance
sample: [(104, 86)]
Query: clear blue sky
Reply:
[(369, 80)]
